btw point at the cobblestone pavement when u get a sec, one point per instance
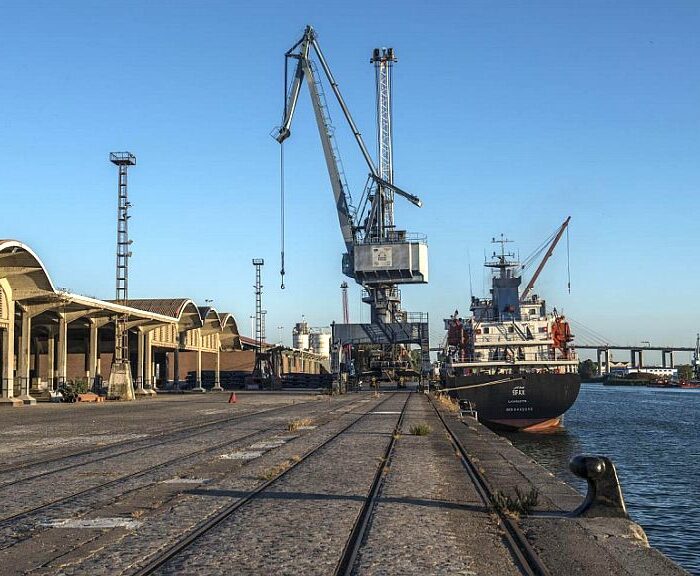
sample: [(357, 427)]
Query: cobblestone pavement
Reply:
[(40, 541), (118, 514), (300, 524), (48, 430), (429, 519)]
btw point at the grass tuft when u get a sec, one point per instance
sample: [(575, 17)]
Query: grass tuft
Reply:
[(421, 429), (520, 504), (296, 423), (274, 471), (447, 402)]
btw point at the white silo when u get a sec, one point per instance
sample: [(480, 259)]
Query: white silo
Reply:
[(321, 343), (300, 336)]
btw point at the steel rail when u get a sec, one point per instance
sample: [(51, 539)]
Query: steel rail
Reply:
[(352, 547), (206, 525), (526, 556), (160, 438)]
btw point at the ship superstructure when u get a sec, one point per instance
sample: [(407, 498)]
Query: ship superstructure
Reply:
[(507, 335)]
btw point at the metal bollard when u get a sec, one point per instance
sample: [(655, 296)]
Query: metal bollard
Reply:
[(604, 497)]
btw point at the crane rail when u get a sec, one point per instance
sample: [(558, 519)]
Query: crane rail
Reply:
[(182, 544), (525, 555)]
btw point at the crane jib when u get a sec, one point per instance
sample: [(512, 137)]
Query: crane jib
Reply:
[(354, 231)]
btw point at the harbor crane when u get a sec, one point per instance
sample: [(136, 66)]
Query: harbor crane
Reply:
[(378, 256)]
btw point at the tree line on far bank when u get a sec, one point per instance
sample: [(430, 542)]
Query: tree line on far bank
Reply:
[(588, 369)]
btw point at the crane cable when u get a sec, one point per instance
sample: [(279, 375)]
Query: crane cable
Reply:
[(285, 88), (568, 261), (282, 213)]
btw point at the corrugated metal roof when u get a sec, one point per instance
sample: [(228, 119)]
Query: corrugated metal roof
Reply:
[(172, 307)]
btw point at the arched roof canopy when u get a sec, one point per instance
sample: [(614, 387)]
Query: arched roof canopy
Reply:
[(230, 337), (183, 310), (210, 320), (24, 271)]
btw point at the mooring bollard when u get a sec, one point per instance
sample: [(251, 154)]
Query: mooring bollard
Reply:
[(604, 497)]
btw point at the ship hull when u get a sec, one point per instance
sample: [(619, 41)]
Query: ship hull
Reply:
[(533, 402)]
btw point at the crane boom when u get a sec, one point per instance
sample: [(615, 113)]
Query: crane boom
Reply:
[(305, 69), (547, 256)]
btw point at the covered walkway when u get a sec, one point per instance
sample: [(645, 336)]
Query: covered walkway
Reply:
[(50, 336)]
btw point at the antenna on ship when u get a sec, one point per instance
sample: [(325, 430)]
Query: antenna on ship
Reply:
[(469, 263)]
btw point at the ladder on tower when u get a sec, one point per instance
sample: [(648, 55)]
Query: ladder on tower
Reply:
[(330, 130)]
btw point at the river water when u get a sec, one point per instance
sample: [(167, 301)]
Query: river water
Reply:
[(653, 438)]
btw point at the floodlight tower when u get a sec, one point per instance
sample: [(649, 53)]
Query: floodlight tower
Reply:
[(263, 373), (259, 330), (120, 381)]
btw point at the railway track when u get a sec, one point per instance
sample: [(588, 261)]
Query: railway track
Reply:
[(187, 540), (229, 442), (523, 553), (352, 547), (201, 543), (153, 441)]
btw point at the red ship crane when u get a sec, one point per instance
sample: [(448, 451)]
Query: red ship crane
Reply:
[(548, 254)]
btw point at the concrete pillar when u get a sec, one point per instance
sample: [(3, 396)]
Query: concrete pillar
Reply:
[(670, 354), (148, 366), (176, 368), (51, 360), (8, 361), (62, 368), (641, 359), (35, 361), (143, 363), (93, 350), (140, 349), (198, 382), (25, 357), (217, 372), (599, 354)]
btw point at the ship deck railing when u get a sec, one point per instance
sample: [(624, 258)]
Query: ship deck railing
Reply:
[(485, 341), (510, 363)]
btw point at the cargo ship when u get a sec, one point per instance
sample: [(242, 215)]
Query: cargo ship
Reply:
[(511, 361)]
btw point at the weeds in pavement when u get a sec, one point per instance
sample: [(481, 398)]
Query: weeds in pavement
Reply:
[(421, 429), (520, 504), (447, 402), (297, 423), (274, 471)]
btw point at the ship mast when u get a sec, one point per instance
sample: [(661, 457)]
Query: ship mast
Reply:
[(500, 261)]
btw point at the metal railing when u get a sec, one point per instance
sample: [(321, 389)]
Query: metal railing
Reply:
[(397, 237)]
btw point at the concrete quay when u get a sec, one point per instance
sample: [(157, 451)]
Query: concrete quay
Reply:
[(286, 483)]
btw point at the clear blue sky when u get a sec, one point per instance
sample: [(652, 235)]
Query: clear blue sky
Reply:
[(509, 116)]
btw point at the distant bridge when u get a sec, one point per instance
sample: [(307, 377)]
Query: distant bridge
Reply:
[(636, 354)]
